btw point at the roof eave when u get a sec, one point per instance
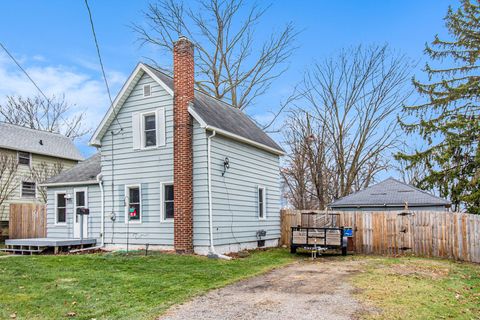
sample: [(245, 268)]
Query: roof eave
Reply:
[(43, 153), (73, 183)]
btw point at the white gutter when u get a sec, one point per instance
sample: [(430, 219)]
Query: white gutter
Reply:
[(212, 253), (62, 184), (102, 210)]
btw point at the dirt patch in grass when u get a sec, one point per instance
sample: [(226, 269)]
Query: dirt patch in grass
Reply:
[(418, 288)]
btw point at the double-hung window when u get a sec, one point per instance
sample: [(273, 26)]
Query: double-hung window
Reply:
[(149, 130), (134, 207), (60, 208), (168, 203), (261, 207)]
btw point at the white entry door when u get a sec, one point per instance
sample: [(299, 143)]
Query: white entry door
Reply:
[(80, 200)]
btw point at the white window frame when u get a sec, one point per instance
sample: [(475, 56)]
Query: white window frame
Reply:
[(264, 202), (127, 202), (21, 190), (75, 190), (149, 90), (29, 161), (142, 129), (64, 192), (162, 201)]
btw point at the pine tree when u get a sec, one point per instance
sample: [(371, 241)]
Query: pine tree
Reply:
[(449, 120)]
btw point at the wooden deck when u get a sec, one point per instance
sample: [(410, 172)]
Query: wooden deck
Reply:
[(39, 245)]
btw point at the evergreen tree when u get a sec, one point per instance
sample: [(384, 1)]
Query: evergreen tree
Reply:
[(449, 120)]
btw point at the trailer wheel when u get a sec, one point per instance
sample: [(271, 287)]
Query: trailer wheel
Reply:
[(293, 249), (344, 251)]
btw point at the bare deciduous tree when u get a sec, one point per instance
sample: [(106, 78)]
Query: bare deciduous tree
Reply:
[(52, 115), (347, 121), (232, 64), (8, 179), (42, 172)]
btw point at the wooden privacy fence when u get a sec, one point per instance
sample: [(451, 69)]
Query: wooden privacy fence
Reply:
[(27, 220), (444, 234)]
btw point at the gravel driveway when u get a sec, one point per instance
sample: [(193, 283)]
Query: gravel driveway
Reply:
[(303, 290)]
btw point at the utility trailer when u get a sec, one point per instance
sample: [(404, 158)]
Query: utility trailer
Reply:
[(319, 239)]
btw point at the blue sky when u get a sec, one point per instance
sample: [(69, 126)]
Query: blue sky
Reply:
[(53, 41)]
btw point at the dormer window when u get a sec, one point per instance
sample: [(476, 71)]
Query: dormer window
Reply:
[(147, 90)]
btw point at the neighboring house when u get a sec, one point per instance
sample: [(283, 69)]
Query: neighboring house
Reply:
[(390, 194), (37, 153), (176, 169)]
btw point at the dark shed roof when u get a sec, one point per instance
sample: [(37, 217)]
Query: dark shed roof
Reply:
[(85, 171), (389, 193), (221, 115)]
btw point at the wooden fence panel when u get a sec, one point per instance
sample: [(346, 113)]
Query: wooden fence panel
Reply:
[(451, 235), (27, 220)]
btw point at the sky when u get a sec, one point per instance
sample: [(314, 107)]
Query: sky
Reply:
[(53, 42)]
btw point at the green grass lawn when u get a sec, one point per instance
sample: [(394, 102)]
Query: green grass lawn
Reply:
[(116, 286), (418, 288)]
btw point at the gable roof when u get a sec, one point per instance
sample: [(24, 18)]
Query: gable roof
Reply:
[(389, 193), (211, 113), (84, 172), (20, 138)]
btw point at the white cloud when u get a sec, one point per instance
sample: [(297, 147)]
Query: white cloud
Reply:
[(83, 87)]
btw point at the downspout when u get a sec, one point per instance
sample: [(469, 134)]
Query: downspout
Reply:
[(102, 210), (211, 253)]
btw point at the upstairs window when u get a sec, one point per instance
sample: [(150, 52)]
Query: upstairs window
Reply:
[(261, 203), (28, 189), (149, 130), (23, 158), (168, 203)]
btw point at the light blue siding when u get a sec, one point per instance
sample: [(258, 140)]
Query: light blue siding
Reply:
[(66, 231), (145, 167), (234, 195)]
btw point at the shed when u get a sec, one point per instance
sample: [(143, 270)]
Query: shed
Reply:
[(390, 194)]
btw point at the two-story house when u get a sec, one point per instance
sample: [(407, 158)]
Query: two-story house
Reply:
[(28, 156), (176, 169)]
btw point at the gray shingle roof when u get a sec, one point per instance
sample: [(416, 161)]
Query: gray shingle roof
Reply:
[(36, 141), (390, 193), (221, 115), (84, 171)]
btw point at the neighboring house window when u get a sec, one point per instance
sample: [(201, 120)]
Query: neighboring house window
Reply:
[(167, 201), (61, 208), (24, 158), (261, 202), (147, 90), (28, 189), (149, 129), (134, 203)]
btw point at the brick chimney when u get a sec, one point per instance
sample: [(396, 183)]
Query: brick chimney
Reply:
[(183, 79)]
